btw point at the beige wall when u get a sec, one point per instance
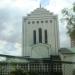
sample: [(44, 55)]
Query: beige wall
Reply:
[(52, 29), (68, 68)]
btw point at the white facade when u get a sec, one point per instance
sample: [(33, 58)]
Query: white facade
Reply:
[(68, 56), (40, 19)]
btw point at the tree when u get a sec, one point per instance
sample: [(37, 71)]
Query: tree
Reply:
[(18, 72), (69, 17), (73, 72), (33, 73), (21, 72)]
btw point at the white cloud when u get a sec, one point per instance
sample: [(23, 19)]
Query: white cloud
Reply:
[(57, 5), (18, 49), (11, 13), (26, 3), (24, 6), (2, 44), (4, 3), (8, 30), (9, 48)]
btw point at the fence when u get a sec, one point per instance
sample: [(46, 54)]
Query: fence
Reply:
[(47, 66), (52, 68)]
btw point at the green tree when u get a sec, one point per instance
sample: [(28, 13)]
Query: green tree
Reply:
[(21, 72), (33, 73), (69, 17), (18, 72)]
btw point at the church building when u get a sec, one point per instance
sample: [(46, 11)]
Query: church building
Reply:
[(40, 34), (40, 45)]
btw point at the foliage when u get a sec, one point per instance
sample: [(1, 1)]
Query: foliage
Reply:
[(18, 72), (73, 72), (69, 17), (21, 72), (33, 73)]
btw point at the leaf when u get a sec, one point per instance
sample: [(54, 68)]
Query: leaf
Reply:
[(69, 17), (74, 7)]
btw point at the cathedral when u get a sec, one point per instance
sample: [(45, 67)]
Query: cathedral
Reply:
[(40, 34), (41, 51)]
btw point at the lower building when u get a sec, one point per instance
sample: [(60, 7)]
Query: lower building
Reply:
[(42, 66), (68, 58), (72, 42)]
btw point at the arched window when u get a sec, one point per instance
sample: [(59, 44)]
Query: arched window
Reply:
[(40, 35), (46, 37), (34, 37)]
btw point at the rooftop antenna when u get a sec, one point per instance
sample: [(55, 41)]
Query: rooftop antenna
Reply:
[(40, 5)]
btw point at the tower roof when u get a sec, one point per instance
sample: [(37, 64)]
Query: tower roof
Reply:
[(40, 11)]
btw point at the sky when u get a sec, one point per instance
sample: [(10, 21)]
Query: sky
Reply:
[(11, 13)]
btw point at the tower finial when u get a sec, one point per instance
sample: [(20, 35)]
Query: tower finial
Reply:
[(40, 5)]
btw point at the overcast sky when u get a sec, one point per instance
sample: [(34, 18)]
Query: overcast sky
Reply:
[(11, 13)]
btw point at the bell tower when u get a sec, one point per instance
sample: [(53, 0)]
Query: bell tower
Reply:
[(40, 34)]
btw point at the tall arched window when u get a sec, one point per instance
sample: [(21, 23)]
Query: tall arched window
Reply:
[(34, 37), (46, 38), (40, 35)]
